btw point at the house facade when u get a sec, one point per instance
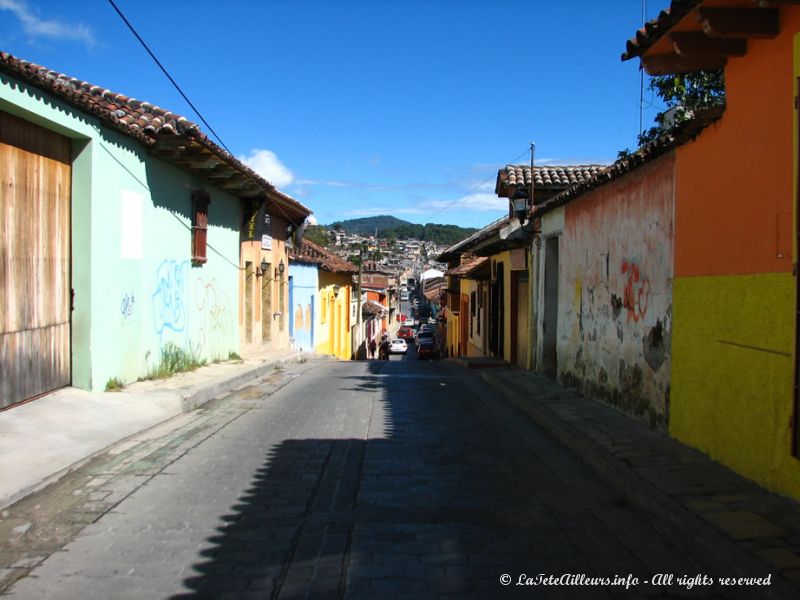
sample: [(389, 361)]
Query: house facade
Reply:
[(121, 235), (735, 295), (604, 296), (321, 300)]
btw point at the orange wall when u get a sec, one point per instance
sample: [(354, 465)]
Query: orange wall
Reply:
[(734, 186)]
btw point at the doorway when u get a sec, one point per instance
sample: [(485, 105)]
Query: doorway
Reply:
[(550, 324)]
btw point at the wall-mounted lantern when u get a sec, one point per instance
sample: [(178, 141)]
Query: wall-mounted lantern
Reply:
[(262, 268)]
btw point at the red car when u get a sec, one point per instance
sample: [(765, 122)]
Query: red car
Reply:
[(405, 333)]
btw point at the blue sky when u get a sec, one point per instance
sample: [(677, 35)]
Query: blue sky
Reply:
[(359, 108)]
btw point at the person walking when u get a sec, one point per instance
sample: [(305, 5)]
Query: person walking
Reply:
[(372, 347)]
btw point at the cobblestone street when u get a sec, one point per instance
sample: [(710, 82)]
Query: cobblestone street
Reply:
[(356, 480)]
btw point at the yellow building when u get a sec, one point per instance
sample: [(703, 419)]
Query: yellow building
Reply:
[(322, 301)]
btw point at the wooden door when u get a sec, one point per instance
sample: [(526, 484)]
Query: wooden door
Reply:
[(35, 183)]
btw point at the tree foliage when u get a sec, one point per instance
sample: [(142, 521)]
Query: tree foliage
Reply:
[(317, 234), (390, 228), (688, 93)]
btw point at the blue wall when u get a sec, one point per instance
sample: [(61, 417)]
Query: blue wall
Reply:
[(303, 292)]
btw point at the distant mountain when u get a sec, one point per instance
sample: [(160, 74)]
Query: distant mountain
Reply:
[(392, 227), (368, 225)]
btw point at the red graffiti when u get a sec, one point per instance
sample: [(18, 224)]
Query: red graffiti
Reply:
[(636, 293)]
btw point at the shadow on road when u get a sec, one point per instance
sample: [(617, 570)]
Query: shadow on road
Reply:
[(434, 501)]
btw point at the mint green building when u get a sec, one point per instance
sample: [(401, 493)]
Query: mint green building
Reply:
[(120, 235)]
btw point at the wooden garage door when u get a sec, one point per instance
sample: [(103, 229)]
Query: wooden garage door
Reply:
[(34, 260)]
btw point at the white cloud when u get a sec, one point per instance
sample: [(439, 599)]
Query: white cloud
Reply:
[(478, 202), (34, 26), (312, 220), (266, 164)]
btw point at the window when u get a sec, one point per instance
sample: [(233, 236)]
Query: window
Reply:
[(200, 202)]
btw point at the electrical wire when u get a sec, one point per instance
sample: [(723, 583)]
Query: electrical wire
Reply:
[(477, 187), (185, 97), (164, 70)]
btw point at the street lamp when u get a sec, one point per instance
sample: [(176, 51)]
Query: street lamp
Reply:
[(519, 202)]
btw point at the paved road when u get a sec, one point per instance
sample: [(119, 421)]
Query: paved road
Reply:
[(358, 480)]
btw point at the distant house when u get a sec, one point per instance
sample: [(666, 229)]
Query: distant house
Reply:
[(502, 285), (121, 235), (321, 300)]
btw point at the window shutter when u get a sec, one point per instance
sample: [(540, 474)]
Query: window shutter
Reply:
[(200, 202)]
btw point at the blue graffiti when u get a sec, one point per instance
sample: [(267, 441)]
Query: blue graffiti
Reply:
[(169, 308), (126, 307)]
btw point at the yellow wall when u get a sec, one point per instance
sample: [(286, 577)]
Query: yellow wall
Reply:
[(332, 330), (453, 333), (734, 293), (505, 258), (732, 399)]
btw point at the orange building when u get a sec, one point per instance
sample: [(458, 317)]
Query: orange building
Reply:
[(735, 300)]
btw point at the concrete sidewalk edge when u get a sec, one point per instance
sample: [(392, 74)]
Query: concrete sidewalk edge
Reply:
[(176, 402), (706, 541), (200, 395)]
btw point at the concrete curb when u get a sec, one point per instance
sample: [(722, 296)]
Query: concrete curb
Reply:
[(173, 402), (197, 397), (719, 551)]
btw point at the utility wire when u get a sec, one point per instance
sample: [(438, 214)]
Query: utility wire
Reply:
[(477, 187), (641, 76), (164, 70), (185, 97)]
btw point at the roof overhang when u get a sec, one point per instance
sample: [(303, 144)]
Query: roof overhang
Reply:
[(697, 35)]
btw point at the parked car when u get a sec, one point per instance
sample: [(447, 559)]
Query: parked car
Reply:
[(426, 349), (405, 333), (398, 346), (424, 335)]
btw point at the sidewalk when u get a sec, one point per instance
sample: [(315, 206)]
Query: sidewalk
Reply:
[(44, 439), (737, 526)]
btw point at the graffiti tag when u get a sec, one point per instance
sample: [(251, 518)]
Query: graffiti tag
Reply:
[(169, 308), (126, 307), (636, 294), (215, 313)]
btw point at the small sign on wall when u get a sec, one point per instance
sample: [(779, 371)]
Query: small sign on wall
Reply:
[(266, 242)]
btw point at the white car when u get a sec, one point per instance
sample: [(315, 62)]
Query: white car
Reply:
[(398, 346)]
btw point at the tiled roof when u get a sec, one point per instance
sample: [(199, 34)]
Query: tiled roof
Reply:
[(171, 137), (548, 178), (684, 132), (310, 253), (467, 266), (479, 236), (655, 29)]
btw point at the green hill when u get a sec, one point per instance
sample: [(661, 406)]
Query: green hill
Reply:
[(368, 225), (392, 227)]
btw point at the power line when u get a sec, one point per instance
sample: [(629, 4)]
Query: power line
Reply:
[(185, 97), (477, 187), (164, 70)]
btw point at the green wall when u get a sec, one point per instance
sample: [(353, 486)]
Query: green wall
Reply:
[(135, 288)]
